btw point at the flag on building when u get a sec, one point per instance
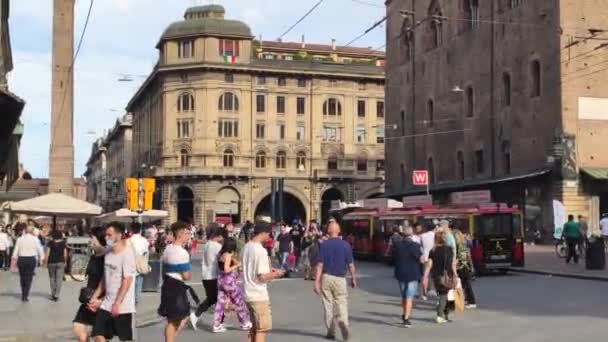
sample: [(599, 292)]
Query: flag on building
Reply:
[(229, 59)]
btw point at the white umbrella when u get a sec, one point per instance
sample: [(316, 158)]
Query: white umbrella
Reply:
[(128, 216), (55, 204)]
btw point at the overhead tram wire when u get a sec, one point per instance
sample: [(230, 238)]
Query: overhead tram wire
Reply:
[(71, 68), (373, 27), (301, 19), (367, 3)]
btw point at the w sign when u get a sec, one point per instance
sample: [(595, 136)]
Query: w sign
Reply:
[(420, 177)]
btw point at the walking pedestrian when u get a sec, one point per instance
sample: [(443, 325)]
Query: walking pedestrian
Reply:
[(141, 249), (5, 244), (174, 305), (297, 235), (257, 273), (85, 318), (285, 247), (211, 252), (407, 256), (56, 256), (27, 254), (114, 299), (464, 268), (440, 266), (335, 260), (572, 234), (229, 291), (428, 243)]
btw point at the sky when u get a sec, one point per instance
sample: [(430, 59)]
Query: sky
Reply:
[(121, 39)]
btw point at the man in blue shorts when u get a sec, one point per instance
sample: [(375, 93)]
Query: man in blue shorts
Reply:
[(408, 257)]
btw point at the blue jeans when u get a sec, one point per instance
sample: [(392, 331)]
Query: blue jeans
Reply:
[(408, 290), (284, 256), (139, 284)]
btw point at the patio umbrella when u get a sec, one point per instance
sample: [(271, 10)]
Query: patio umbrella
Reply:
[(128, 216), (56, 204)]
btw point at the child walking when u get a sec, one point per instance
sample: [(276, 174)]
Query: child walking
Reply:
[(229, 291)]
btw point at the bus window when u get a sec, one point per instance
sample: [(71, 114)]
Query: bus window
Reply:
[(494, 225)]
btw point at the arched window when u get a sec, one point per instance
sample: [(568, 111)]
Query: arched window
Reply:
[(431, 169), (506, 89), (332, 106), (260, 160), (184, 158), (506, 155), (535, 73), (470, 98), (301, 161), (332, 163), (228, 102), (185, 103), (460, 165), (437, 30), (430, 112), (281, 160), (228, 158)]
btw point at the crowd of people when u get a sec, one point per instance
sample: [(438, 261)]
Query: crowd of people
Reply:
[(237, 264)]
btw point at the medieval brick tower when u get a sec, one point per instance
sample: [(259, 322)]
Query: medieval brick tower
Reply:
[(61, 164)]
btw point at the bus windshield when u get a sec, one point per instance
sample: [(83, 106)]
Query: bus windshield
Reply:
[(494, 225)]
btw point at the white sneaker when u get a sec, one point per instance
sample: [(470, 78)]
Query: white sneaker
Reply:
[(441, 320), (424, 298), (219, 329), (194, 320), (247, 326), (471, 306)]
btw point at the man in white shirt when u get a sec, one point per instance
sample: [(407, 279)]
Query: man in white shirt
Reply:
[(141, 248), (5, 244), (116, 309), (428, 243), (256, 274), (211, 252), (27, 255), (604, 227)]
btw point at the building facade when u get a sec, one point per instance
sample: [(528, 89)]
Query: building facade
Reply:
[(500, 95), (109, 165), (222, 113), (11, 106)]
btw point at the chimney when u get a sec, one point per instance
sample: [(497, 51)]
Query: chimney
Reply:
[(303, 42), (333, 44)]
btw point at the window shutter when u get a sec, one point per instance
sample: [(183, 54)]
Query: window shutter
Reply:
[(221, 47), (237, 48)]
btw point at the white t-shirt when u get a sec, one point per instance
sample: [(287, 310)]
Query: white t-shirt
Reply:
[(5, 241), (176, 261), (117, 267), (255, 262), (604, 226), (209, 266), (428, 242)]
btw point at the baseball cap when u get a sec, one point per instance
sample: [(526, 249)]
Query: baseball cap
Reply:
[(262, 227)]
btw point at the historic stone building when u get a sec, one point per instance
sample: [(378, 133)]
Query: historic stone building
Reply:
[(11, 106), (503, 95), (222, 113), (109, 165)]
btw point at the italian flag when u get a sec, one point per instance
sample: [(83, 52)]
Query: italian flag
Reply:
[(229, 59)]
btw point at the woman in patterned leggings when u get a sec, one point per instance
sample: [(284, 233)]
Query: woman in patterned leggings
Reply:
[(228, 289)]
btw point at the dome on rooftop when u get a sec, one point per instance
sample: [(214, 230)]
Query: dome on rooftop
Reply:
[(207, 20)]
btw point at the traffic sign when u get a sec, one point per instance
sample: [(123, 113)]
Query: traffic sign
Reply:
[(420, 177)]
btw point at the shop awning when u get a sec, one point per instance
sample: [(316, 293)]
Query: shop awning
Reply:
[(596, 173)]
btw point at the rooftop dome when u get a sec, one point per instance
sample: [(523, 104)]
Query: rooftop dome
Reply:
[(207, 20)]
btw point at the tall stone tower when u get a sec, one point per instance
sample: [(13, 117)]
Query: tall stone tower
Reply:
[(61, 164)]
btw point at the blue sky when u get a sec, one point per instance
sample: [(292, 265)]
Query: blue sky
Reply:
[(121, 39)]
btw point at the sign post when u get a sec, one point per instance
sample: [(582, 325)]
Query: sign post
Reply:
[(421, 178)]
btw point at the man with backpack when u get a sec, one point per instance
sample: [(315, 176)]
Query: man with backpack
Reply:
[(141, 250)]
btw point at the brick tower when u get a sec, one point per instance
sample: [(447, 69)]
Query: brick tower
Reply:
[(61, 164)]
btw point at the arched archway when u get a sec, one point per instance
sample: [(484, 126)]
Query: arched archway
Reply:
[(293, 208), (330, 195), (228, 206), (185, 204)]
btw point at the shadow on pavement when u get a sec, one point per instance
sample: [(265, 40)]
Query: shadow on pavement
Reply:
[(294, 332)]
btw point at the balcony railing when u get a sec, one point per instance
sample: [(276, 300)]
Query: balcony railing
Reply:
[(203, 171)]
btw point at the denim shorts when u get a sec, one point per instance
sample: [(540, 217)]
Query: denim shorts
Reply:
[(408, 290)]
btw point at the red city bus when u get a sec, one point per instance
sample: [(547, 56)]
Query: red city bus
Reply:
[(357, 230)]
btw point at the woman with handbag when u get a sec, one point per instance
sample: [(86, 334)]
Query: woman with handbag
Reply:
[(464, 267), (442, 268)]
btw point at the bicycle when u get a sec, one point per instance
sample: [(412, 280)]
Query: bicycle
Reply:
[(80, 254), (561, 248)]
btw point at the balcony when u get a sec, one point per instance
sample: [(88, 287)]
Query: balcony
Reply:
[(348, 174), (203, 172)]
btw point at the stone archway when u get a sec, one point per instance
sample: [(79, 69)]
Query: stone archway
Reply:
[(331, 194), (185, 204), (228, 205), (293, 208)]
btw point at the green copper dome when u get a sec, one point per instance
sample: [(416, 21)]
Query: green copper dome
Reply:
[(207, 21)]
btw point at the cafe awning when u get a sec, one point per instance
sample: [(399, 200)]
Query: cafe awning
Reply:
[(56, 204), (596, 173)]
